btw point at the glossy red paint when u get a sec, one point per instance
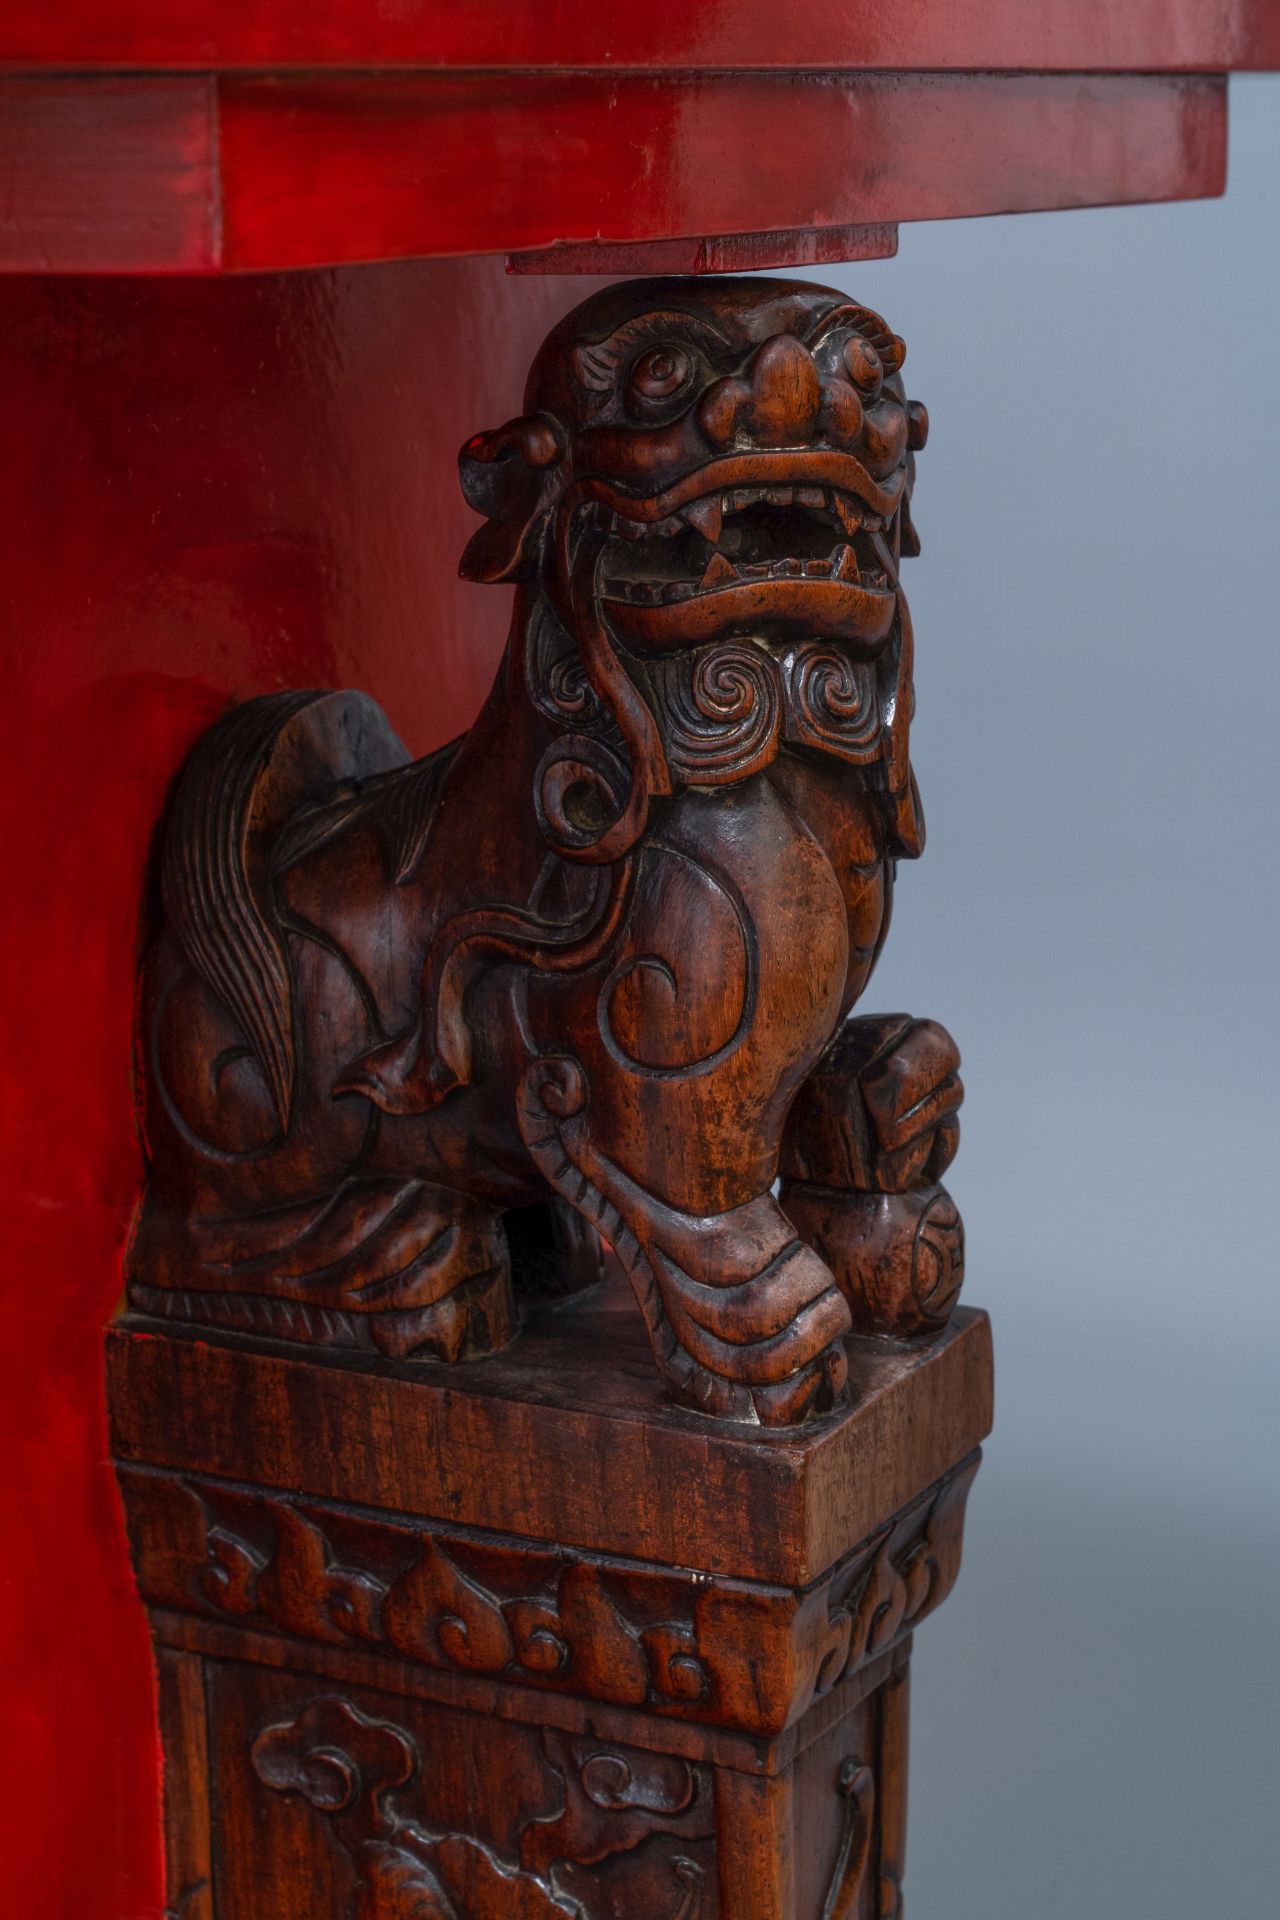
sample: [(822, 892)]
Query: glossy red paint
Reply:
[(105, 173), (312, 170), (1141, 35), (207, 489)]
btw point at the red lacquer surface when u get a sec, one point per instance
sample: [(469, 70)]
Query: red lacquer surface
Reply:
[(443, 164), (176, 173), (207, 488), (108, 172), (1147, 35)]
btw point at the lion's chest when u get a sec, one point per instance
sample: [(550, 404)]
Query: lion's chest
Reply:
[(724, 986)]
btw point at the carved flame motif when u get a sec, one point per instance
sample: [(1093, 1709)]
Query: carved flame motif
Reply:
[(622, 1633)]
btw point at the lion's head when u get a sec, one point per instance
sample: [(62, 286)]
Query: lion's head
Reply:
[(702, 461)]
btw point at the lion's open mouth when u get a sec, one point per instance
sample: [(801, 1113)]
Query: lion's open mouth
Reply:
[(749, 557)]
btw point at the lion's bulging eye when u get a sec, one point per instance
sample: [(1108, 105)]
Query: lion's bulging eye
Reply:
[(863, 365), (661, 373)]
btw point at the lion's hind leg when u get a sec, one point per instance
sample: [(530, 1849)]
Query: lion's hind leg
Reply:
[(413, 1270)]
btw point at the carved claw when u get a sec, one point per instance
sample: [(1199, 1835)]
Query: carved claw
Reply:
[(745, 1320)]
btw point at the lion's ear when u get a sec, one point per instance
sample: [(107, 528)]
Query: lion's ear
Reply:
[(511, 476)]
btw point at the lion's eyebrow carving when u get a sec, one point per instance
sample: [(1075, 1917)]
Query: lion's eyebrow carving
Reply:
[(873, 329), (596, 363)]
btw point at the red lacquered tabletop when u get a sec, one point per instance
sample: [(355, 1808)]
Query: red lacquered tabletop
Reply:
[(152, 139)]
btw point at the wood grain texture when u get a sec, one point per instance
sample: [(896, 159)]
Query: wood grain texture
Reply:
[(747, 1655), (577, 1399), (371, 1711), (1143, 35), (184, 1733), (156, 174)]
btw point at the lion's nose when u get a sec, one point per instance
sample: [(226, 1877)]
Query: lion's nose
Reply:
[(777, 406)]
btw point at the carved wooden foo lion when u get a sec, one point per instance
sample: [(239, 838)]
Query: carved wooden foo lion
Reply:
[(410, 1025)]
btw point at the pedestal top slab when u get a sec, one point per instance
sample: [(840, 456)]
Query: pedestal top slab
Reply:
[(564, 1437)]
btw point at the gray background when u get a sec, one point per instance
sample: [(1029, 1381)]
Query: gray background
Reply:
[(1094, 1722)]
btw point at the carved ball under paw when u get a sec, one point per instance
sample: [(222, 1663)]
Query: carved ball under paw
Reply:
[(898, 1257)]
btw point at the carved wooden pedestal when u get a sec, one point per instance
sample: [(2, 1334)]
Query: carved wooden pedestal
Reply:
[(472, 1606), (526, 1640)]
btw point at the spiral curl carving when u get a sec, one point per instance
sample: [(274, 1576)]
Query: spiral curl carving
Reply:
[(832, 702), (579, 790), (567, 686), (720, 717), (557, 678), (937, 1258)]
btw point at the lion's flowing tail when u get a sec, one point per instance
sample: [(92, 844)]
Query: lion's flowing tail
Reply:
[(215, 879), (265, 766)]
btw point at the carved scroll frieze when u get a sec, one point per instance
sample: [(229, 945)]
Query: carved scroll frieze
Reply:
[(357, 1773), (688, 1645)]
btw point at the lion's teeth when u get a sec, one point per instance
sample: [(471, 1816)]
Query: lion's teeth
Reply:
[(882, 553), (718, 574), (706, 515), (847, 565), (847, 513), (809, 496)]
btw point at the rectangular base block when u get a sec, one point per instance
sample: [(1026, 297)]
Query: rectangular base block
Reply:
[(522, 1641)]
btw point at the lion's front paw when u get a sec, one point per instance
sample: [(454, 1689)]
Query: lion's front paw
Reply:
[(868, 1140), (880, 1113)]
